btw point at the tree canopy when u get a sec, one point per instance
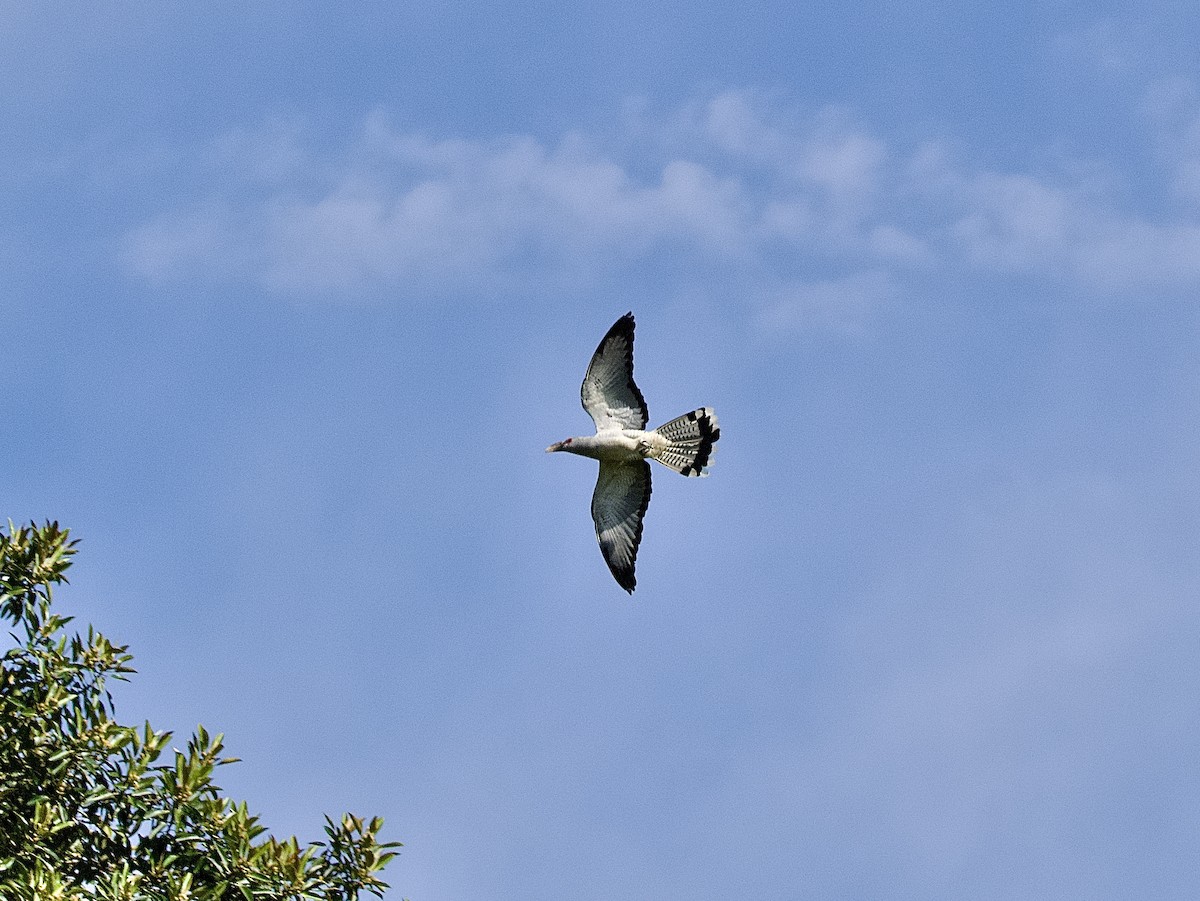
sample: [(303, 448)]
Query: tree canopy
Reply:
[(90, 809)]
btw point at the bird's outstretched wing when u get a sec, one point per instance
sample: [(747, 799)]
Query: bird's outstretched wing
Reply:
[(608, 393), (618, 505)]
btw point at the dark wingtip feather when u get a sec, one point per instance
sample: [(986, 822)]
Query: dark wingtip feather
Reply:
[(623, 326), (625, 577)]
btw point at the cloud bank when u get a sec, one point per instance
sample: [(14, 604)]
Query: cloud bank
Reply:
[(794, 205)]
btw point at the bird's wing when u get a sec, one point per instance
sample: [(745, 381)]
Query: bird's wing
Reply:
[(618, 505), (608, 393)]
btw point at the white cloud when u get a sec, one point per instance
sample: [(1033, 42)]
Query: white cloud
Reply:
[(1070, 228), (738, 184), (403, 208), (1134, 255), (1014, 221), (839, 304), (894, 244), (1102, 47), (172, 246), (1172, 108), (846, 164)]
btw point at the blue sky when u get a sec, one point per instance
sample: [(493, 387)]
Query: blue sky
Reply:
[(293, 297)]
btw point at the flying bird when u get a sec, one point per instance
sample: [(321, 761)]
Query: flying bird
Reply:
[(622, 446)]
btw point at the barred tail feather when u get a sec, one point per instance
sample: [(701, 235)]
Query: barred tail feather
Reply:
[(690, 440)]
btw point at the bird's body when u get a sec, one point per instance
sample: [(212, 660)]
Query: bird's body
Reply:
[(613, 445), (622, 445)]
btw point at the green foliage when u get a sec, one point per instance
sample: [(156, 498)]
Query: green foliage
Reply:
[(88, 811)]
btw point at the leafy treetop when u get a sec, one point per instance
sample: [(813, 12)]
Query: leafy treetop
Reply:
[(88, 811)]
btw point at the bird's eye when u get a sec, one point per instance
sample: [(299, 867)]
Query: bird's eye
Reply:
[(568, 441)]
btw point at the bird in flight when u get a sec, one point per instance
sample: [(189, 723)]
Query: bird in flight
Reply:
[(622, 446)]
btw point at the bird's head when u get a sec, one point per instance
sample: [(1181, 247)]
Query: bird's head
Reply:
[(559, 446)]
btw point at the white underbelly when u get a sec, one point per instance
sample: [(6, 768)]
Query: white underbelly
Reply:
[(620, 446)]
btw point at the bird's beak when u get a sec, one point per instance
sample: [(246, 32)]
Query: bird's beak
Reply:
[(556, 446)]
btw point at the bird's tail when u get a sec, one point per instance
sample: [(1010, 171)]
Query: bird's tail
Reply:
[(688, 445)]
